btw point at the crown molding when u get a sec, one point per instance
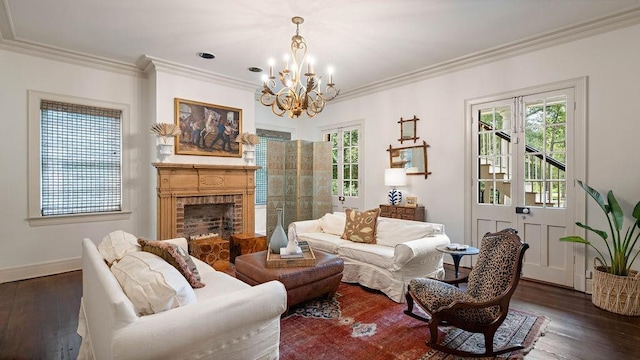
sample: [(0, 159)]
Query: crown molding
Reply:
[(628, 17), (148, 64), (70, 57)]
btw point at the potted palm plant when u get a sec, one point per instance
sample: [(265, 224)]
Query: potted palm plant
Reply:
[(616, 287)]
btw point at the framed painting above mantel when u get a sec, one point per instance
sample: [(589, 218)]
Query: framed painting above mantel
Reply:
[(207, 129)]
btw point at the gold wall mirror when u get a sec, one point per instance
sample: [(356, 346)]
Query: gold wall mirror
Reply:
[(408, 129), (412, 158)]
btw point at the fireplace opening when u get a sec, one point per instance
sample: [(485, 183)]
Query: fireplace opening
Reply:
[(220, 214), (209, 218)]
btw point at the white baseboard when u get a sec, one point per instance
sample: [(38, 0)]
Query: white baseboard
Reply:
[(41, 269)]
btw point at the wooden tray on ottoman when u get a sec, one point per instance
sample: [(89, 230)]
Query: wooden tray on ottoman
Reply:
[(274, 260)]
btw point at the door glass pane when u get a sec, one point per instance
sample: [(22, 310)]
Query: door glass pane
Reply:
[(494, 156), (545, 152)]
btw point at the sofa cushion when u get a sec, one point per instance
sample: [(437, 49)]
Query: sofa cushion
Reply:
[(391, 232), (380, 256), (151, 283), (218, 284), (322, 241), (333, 223), (361, 226), (176, 256), (116, 244)]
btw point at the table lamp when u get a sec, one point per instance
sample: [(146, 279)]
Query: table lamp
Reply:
[(395, 177)]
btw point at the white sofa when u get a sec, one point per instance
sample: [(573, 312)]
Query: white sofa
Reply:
[(404, 250), (229, 320)]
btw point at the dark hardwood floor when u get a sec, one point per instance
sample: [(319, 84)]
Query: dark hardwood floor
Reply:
[(39, 317)]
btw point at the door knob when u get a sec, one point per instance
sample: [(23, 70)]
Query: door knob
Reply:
[(522, 210)]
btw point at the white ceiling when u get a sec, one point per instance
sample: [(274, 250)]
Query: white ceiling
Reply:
[(365, 41)]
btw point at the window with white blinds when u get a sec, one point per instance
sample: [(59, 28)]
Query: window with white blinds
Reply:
[(81, 159)]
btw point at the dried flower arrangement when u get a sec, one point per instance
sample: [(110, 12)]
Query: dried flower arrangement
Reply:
[(165, 130), (248, 139)]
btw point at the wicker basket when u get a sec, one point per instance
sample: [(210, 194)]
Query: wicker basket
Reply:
[(618, 294)]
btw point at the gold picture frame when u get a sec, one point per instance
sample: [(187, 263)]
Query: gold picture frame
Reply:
[(412, 201), (207, 129)]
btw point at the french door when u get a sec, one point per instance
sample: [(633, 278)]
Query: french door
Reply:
[(346, 159), (522, 158)]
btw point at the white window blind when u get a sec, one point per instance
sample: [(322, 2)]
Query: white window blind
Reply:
[(80, 158)]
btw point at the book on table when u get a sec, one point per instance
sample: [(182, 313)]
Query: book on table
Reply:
[(302, 247)]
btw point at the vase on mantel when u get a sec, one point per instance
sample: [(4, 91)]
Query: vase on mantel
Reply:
[(279, 237), (250, 154), (166, 150)]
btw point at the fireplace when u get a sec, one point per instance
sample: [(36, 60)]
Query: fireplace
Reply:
[(197, 199)]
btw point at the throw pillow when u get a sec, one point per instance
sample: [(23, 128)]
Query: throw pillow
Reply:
[(152, 284), (176, 256), (333, 223), (116, 244), (361, 226)]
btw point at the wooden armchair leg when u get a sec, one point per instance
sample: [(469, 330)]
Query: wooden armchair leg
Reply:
[(409, 310), (433, 331), (488, 341)]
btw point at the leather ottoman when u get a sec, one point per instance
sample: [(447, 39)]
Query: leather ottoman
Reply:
[(302, 283)]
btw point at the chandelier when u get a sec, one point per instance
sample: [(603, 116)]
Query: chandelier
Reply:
[(293, 97)]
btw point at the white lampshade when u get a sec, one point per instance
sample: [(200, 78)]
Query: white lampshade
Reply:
[(395, 177)]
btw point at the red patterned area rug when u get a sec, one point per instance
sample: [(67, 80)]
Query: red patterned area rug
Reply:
[(359, 323)]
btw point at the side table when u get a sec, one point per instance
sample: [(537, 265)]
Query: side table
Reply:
[(246, 243), (214, 251), (457, 255)]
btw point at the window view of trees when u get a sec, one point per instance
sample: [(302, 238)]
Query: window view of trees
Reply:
[(345, 156), (545, 140)]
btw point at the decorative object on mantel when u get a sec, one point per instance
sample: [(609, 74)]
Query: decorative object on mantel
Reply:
[(297, 96), (249, 141), (207, 129), (279, 237), (165, 131), (395, 177), (616, 287)]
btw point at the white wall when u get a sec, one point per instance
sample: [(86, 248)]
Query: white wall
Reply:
[(609, 60), (32, 251)]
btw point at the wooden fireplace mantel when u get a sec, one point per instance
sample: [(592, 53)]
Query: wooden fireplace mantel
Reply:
[(185, 180)]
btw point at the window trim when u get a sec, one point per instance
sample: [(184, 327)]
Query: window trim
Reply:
[(34, 162)]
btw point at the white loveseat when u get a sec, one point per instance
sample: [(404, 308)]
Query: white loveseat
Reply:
[(403, 250), (228, 320)]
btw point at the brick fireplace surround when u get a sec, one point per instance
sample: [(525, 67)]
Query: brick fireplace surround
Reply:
[(182, 185)]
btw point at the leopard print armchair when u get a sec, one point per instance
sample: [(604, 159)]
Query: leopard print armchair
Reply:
[(485, 303)]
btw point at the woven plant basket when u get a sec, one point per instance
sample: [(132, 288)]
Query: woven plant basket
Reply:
[(614, 293)]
